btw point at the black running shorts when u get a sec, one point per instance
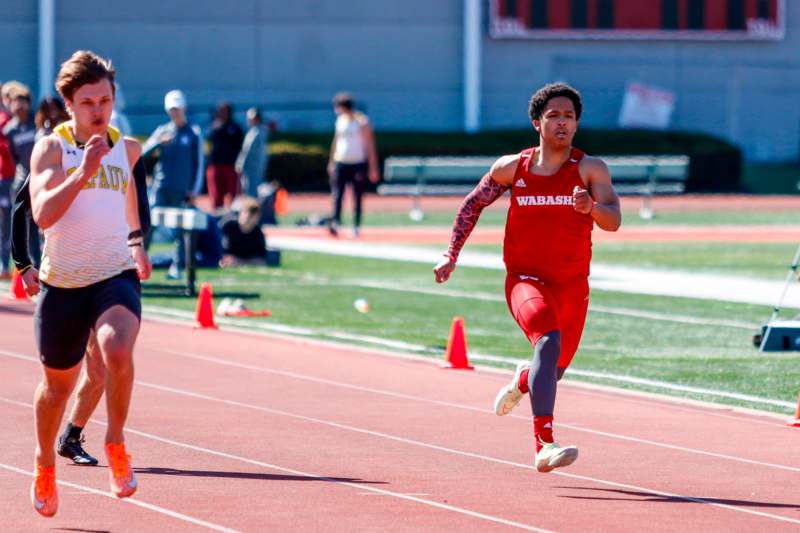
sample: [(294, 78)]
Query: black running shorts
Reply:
[(65, 317)]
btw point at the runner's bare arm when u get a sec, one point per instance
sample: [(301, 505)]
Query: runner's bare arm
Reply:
[(603, 203), (52, 192), (491, 187), (331, 164)]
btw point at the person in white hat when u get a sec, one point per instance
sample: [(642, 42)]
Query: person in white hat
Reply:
[(178, 174)]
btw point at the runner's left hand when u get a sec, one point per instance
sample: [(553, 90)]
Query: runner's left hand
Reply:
[(143, 266), (582, 200), (374, 175)]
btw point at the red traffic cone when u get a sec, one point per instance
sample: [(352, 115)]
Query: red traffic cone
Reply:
[(282, 202), (205, 308), (456, 354), (796, 423), (17, 289)]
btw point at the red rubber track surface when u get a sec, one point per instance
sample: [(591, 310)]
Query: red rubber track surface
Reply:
[(264, 433)]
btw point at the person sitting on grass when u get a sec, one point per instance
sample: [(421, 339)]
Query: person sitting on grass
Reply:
[(243, 241)]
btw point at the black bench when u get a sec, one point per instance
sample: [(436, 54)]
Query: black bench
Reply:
[(444, 176)]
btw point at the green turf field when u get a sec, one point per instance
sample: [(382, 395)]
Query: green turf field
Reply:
[(767, 260), (494, 217), (632, 335)]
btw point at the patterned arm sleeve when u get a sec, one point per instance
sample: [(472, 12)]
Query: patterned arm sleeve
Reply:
[(484, 194)]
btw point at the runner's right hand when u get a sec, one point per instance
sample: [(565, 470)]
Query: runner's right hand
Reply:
[(444, 269), (94, 152)]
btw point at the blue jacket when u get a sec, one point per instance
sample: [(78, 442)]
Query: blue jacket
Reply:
[(179, 169)]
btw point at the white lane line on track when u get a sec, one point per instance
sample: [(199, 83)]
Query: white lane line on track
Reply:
[(404, 440), (132, 501), (365, 488), (404, 493), (323, 381), (418, 348), (305, 377), (629, 395), (452, 451)]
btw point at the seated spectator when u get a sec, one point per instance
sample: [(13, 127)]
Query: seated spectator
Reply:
[(208, 247), (243, 241)]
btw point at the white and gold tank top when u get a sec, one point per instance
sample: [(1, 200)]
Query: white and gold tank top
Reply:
[(89, 243)]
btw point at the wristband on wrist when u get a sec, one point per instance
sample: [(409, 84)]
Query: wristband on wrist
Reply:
[(137, 233)]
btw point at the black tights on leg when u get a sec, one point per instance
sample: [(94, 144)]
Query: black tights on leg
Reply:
[(544, 373)]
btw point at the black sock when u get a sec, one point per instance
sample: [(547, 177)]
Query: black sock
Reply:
[(73, 432)]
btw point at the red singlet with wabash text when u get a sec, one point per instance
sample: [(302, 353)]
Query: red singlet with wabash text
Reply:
[(545, 237)]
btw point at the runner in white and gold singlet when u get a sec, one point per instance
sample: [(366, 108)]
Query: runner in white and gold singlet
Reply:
[(89, 242), (84, 198)]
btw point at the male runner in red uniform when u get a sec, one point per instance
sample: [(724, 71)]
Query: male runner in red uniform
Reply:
[(558, 193)]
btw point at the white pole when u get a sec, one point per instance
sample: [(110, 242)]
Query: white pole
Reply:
[(46, 47), (472, 65)]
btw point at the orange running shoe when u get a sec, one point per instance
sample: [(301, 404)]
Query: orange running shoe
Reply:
[(44, 495), (120, 474)]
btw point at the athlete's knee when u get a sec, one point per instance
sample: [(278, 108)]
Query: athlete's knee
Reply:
[(53, 391), (548, 347), (547, 350), (56, 394), (116, 349)]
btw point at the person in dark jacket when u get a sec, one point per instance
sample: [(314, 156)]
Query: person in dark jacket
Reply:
[(226, 138), (178, 174)]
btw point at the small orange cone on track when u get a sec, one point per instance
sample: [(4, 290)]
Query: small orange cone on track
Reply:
[(456, 354), (205, 308), (17, 289), (796, 423)]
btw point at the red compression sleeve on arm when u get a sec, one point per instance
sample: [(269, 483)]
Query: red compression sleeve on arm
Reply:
[(486, 192)]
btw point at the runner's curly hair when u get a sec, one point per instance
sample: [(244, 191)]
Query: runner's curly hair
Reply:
[(548, 92)]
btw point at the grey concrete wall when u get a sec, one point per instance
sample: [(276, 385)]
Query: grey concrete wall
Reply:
[(403, 60), (747, 92), (18, 37)]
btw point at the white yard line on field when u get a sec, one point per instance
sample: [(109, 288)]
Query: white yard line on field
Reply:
[(660, 282)]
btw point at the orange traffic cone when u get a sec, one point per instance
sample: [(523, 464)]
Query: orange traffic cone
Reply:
[(796, 423), (17, 289), (282, 202), (205, 308), (456, 355)]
